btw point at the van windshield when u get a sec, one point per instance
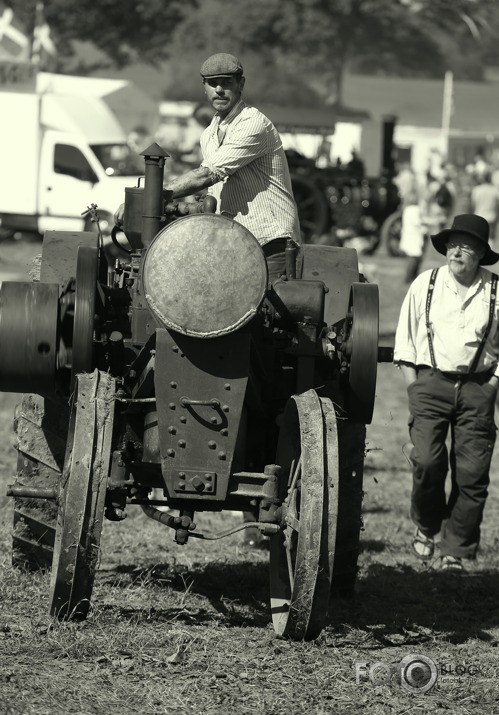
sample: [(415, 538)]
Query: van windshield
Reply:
[(118, 159)]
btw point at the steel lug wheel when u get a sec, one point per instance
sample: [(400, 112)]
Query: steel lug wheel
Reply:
[(81, 510), (302, 555)]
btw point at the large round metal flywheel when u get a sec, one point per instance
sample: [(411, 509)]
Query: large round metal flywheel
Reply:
[(84, 311), (362, 330), (83, 493), (204, 275), (302, 554), (28, 335)]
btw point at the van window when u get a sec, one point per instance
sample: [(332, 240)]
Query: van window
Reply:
[(70, 161)]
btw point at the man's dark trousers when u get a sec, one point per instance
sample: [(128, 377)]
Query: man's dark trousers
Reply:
[(438, 401)]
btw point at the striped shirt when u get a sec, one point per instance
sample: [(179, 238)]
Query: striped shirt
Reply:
[(254, 186), (457, 326)]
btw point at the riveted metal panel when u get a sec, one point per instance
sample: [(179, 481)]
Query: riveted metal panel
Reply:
[(200, 388)]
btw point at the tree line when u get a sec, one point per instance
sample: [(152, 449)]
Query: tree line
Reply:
[(314, 41)]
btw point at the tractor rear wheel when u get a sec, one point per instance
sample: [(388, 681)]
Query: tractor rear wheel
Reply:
[(351, 448), (41, 424)]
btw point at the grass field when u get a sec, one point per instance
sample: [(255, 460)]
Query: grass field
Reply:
[(187, 629)]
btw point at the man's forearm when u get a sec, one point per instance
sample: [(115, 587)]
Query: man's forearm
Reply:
[(191, 182)]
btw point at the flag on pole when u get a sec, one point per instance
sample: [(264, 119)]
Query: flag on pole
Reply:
[(14, 43), (42, 45)]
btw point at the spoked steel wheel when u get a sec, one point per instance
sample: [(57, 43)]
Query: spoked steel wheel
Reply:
[(302, 554), (390, 234), (81, 510)]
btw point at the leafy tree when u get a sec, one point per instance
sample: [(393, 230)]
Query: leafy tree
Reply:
[(401, 37), (363, 35), (466, 31), (124, 32), (314, 41), (318, 40), (266, 82)]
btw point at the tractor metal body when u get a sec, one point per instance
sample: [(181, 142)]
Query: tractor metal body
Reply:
[(198, 377)]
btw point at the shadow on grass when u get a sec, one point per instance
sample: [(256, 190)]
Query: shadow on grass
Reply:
[(392, 606), (386, 468), (377, 509), (238, 592), (372, 546), (394, 603)]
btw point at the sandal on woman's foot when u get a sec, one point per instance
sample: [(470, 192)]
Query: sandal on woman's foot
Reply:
[(451, 563), (423, 546)]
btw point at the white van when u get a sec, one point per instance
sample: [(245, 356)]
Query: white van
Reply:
[(60, 153)]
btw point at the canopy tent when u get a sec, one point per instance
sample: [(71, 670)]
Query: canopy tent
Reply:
[(133, 108)]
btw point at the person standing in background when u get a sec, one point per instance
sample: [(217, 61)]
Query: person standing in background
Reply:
[(485, 202), (413, 232), (425, 210)]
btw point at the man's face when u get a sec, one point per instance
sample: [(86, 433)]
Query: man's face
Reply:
[(223, 92), (463, 254)]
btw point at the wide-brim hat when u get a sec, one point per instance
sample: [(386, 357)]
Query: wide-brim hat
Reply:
[(221, 65), (472, 225)]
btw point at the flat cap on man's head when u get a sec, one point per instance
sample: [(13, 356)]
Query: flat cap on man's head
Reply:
[(221, 65)]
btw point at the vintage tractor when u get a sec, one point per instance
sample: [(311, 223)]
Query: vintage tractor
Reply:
[(335, 205), (338, 203), (180, 372)]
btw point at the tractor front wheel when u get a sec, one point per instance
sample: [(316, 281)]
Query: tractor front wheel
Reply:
[(83, 494), (302, 554)]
